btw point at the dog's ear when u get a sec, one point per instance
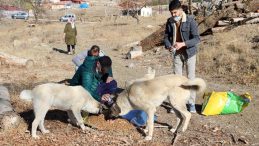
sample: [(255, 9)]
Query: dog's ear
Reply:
[(114, 96)]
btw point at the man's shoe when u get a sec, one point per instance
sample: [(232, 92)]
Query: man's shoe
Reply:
[(192, 108)]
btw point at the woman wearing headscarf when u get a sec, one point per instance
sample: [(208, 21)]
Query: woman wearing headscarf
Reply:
[(70, 34)]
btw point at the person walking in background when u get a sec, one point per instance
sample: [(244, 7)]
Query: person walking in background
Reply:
[(70, 34), (181, 38), (93, 51)]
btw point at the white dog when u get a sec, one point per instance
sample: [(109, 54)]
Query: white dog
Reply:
[(51, 95), (148, 95)]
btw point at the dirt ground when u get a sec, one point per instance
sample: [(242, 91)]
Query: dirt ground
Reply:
[(227, 61)]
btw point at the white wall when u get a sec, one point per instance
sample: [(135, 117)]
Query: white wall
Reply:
[(54, 1), (146, 12)]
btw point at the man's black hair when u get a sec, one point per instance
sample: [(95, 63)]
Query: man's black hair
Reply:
[(106, 63), (174, 4)]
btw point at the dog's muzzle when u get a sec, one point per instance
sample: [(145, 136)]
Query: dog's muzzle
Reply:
[(115, 110)]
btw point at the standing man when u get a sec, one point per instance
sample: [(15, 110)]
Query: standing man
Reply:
[(181, 38)]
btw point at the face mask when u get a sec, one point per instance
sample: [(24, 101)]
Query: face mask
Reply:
[(177, 18)]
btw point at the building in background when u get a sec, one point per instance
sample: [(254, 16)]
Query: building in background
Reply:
[(74, 1), (54, 1), (7, 11), (146, 11)]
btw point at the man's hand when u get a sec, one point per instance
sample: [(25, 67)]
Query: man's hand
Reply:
[(179, 45), (109, 79), (171, 49), (106, 97)]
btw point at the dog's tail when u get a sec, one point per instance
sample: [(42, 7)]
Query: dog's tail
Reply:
[(196, 84), (151, 73), (26, 95)]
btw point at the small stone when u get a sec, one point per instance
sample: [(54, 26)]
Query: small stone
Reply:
[(131, 65), (216, 129)]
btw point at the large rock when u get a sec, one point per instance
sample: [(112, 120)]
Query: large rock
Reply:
[(8, 118), (5, 105)]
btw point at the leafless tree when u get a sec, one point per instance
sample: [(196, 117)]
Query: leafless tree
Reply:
[(35, 6)]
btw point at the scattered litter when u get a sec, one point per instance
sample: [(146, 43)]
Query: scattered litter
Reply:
[(161, 126), (150, 26)]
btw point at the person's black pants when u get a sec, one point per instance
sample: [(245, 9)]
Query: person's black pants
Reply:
[(70, 46)]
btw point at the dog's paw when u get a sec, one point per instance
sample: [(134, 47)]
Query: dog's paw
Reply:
[(173, 130), (87, 129), (148, 138), (83, 127), (45, 131), (35, 137), (145, 130), (183, 129)]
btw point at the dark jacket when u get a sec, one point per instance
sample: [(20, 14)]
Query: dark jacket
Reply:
[(189, 34), (88, 77)]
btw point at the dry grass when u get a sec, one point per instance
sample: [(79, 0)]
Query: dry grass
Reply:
[(230, 55)]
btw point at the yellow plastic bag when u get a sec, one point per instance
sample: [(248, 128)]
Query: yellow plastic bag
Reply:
[(221, 103), (214, 103)]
